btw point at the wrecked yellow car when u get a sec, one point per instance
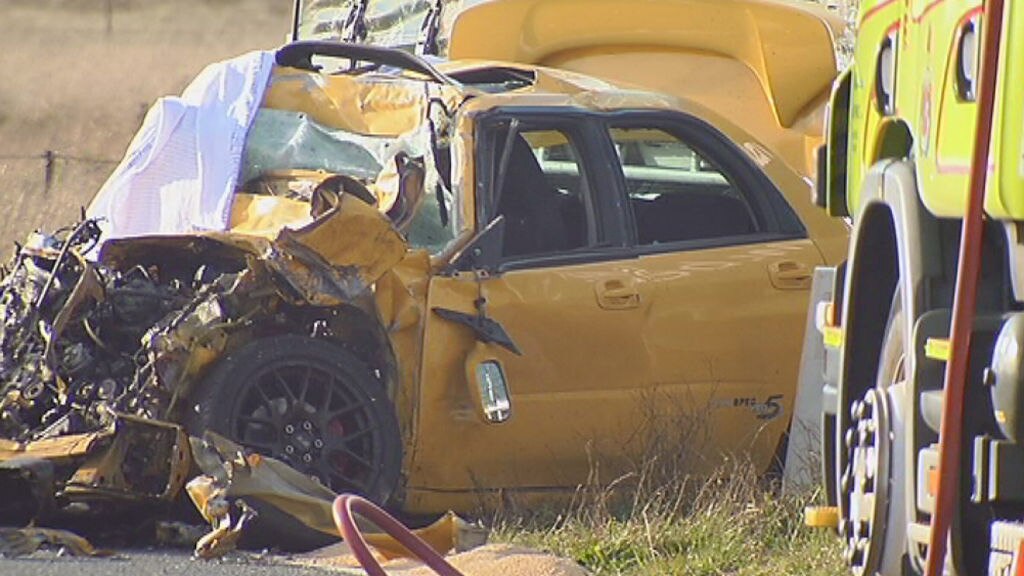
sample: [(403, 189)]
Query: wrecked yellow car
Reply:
[(433, 285)]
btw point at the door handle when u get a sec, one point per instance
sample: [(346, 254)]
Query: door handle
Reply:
[(617, 294), (790, 275)]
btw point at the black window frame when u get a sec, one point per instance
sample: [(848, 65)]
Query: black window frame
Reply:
[(588, 136), (780, 220), (607, 183)]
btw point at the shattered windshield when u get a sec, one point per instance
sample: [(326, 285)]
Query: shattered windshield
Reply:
[(288, 154), (392, 23), (281, 140)]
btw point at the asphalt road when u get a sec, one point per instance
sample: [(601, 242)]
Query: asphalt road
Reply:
[(154, 563)]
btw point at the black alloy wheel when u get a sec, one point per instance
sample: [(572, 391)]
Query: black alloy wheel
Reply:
[(309, 403)]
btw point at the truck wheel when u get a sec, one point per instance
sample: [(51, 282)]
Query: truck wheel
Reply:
[(872, 483), (310, 404)]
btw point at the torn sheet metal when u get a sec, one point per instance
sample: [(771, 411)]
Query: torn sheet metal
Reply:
[(16, 542), (233, 474), (211, 499), (128, 468), (231, 477), (372, 105), (448, 535), (58, 448), (329, 262), (113, 462)]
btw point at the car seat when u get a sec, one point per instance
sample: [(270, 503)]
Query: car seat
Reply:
[(535, 217), (692, 216)]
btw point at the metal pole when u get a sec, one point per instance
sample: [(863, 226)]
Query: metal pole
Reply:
[(968, 267), (110, 17), (49, 159)]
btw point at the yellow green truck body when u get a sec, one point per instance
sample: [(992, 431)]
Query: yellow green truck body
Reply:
[(900, 137), (933, 70)]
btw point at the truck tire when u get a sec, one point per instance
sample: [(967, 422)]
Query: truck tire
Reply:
[(872, 491), (311, 404)]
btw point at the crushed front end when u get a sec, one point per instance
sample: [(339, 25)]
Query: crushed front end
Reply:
[(108, 341)]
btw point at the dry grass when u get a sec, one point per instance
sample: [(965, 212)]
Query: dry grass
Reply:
[(658, 519), (733, 523), (71, 87)]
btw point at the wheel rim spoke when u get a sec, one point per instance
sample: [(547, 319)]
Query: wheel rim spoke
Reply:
[(346, 410), (349, 438), (311, 418), (305, 384), (327, 472), (341, 446), (285, 386), (265, 398), (328, 396), (270, 422)]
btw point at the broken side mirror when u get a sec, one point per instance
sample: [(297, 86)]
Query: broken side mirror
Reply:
[(483, 252), (488, 386)]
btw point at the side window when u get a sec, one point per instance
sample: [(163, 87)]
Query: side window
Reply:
[(678, 193), (540, 187)]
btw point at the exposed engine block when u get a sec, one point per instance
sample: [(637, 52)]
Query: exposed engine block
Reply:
[(70, 335)]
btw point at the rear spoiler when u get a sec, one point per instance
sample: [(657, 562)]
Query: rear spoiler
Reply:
[(789, 47)]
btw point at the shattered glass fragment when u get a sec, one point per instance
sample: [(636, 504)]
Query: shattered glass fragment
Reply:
[(285, 140)]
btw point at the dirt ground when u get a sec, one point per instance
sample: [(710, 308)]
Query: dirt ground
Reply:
[(78, 83), (488, 560)]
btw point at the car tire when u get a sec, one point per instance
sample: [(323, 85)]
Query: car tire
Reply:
[(311, 404)]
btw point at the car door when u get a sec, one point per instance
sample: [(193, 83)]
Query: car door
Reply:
[(559, 298), (725, 267)]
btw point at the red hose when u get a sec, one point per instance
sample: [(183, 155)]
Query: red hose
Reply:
[(968, 267), (347, 506)]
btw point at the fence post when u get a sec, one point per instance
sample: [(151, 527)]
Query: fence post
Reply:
[(48, 169), (110, 17)]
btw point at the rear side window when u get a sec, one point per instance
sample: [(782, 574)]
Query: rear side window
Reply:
[(678, 193)]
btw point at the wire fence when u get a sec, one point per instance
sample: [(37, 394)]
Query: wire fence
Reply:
[(51, 160)]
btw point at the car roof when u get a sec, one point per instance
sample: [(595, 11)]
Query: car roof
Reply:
[(554, 87), (388, 102)]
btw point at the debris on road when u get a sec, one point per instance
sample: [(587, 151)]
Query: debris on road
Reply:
[(16, 542)]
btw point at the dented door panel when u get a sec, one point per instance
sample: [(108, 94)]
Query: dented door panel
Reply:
[(579, 362), (701, 365)]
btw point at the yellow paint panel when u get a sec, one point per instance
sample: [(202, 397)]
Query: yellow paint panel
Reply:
[(833, 336), (942, 124), (937, 349), (821, 516), (687, 367), (381, 108), (265, 216), (353, 239), (60, 447), (1006, 192), (766, 65), (788, 47)]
